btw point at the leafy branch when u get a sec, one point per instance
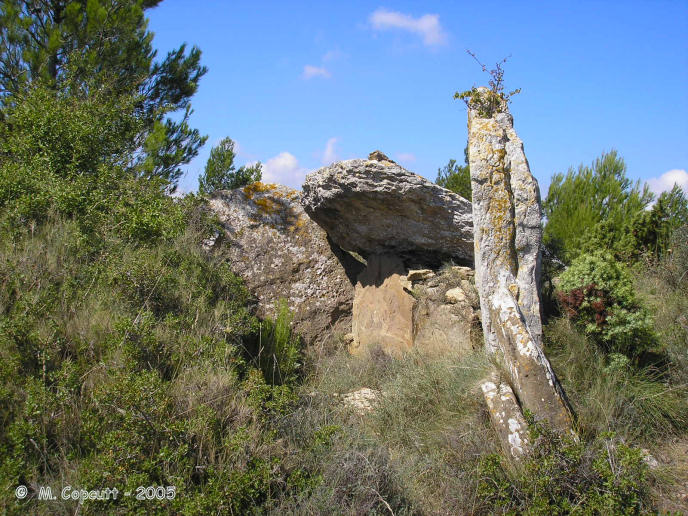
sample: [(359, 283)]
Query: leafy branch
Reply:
[(492, 100)]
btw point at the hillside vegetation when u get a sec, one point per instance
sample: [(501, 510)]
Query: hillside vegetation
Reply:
[(131, 355)]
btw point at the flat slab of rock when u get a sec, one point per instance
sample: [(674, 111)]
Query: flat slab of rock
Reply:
[(382, 309), (281, 253), (378, 207)]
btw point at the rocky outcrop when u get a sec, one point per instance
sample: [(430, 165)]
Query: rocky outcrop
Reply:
[(396, 310), (281, 253), (446, 316), (377, 207), (506, 215)]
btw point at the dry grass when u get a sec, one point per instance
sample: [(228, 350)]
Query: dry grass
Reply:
[(415, 452)]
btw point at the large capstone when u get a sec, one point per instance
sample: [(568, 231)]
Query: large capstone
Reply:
[(282, 254), (376, 207)]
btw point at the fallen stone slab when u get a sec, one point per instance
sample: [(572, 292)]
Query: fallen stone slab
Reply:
[(506, 416)]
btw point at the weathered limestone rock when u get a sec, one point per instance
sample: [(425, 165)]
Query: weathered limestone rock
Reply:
[(442, 325), (455, 295), (280, 253), (506, 416), (396, 311), (379, 156), (419, 274), (382, 309), (363, 400), (506, 215), (378, 207)]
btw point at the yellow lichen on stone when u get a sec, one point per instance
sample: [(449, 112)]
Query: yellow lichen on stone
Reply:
[(257, 187), (513, 288), (267, 206), (298, 225)]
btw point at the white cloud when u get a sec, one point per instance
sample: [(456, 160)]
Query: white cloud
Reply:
[(333, 55), (330, 153), (667, 181), (285, 170), (427, 26), (310, 71), (406, 157)]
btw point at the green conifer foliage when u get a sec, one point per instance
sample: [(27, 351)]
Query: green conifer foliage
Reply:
[(72, 46), (220, 174), (581, 199)]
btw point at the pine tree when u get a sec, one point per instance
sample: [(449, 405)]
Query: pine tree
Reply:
[(220, 174), (578, 202), (456, 178), (75, 46)]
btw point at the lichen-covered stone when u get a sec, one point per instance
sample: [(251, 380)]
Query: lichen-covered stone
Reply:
[(280, 253), (378, 207), (506, 216), (363, 400), (506, 416), (455, 295)]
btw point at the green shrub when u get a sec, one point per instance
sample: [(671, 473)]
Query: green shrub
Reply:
[(564, 476), (608, 393), (122, 364), (278, 347), (64, 152), (597, 293)]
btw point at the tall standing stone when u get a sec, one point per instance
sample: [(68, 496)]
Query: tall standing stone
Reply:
[(507, 235)]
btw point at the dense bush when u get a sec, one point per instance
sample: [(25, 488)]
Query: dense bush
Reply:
[(597, 293), (564, 476), (63, 153), (124, 356), (123, 364)]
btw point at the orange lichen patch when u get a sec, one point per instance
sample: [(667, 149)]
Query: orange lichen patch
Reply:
[(299, 224), (267, 206), (257, 187)]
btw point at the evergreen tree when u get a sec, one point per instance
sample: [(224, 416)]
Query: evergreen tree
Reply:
[(583, 199), (220, 174), (76, 46), (456, 178), (653, 229)]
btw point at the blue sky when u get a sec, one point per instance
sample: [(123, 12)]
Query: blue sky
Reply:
[(301, 84)]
